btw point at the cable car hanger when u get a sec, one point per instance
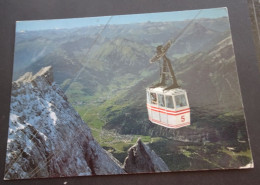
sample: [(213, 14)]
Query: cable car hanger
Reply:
[(166, 68)]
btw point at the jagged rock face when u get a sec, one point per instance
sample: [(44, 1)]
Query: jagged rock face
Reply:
[(47, 137), (141, 159)]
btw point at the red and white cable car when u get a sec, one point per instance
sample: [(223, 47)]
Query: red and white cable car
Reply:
[(167, 102), (168, 108)]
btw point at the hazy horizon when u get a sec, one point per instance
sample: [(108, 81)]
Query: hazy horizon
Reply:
[(69, 23)]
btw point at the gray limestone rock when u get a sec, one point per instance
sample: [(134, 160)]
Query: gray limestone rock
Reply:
[(47, 137)]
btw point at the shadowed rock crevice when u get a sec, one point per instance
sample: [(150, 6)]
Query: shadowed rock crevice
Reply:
[(141, 159)]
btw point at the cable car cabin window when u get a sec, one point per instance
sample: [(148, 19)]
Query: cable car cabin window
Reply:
[(161, 100), (180, 100), (153, 98), (148, 97), (169, 102)]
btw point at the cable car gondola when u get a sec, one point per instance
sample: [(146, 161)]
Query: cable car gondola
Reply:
[(167, 102), (167, 106)]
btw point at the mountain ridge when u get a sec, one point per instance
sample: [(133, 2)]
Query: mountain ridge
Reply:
[(47, 137)]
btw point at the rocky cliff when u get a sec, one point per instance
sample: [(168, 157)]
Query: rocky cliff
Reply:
[(47, 137), (141, 159)]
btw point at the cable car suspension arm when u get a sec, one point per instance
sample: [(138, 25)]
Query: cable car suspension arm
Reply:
[(167, 66)]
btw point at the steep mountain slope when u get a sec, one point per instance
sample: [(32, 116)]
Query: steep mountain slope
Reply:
[(194, 39), (211, 81), (211, 78), (47, 137)]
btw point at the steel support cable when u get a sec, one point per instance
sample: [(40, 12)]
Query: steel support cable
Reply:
[(164, 49), (185, 28), (93, 43)]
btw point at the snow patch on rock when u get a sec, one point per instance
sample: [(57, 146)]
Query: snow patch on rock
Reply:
[(47, 137)]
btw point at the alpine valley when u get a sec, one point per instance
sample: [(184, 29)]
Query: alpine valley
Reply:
[(104, 74)]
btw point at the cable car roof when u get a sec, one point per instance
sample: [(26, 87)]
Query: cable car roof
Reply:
[(161, 90)]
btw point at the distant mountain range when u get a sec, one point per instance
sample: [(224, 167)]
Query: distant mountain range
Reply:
[(32, 46)]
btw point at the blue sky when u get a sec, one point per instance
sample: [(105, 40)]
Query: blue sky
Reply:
[(119, 19)]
